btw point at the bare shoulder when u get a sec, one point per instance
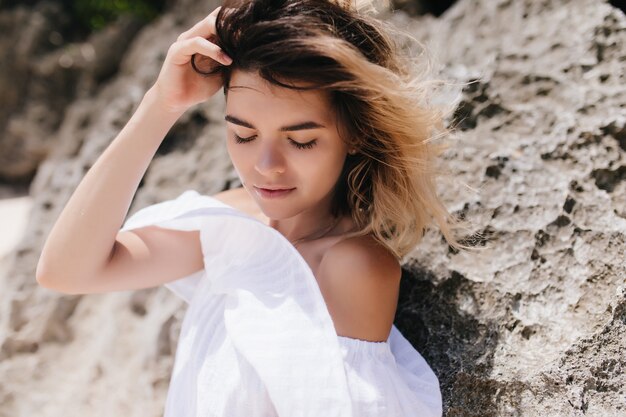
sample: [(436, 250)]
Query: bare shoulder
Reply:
[(360, 280), (364, 251)]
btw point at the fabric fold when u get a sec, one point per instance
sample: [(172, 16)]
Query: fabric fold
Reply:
[(274, 313)]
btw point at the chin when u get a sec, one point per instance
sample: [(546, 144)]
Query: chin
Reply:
[(277, 212)]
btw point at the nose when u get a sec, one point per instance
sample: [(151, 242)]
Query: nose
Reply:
[(270, 160)]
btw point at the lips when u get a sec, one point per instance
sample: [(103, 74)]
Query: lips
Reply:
[(267, 193), (275, 188)]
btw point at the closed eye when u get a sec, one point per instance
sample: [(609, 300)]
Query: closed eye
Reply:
[(298, 145)]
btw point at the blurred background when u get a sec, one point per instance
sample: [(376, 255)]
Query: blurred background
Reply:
[(533, 324)]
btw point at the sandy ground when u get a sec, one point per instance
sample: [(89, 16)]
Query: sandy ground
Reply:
[(14, 213)]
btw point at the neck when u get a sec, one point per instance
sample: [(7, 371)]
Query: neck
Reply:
[(310, 224)]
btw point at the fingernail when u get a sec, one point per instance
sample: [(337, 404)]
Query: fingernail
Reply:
[(226, 59)]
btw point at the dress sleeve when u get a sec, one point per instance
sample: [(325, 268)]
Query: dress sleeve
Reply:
[(181, 213), (390, 379)]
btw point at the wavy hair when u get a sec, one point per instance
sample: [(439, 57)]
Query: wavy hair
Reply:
[(388, 186)]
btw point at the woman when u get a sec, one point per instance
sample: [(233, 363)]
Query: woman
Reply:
[(292, 280)]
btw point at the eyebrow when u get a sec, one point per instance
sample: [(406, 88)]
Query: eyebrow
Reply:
[(298, 126)]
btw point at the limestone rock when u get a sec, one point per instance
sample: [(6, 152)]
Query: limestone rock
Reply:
[(533, 323), (41, 75)]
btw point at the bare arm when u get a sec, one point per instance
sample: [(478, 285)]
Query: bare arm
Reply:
[(85, 252), (82, 239)]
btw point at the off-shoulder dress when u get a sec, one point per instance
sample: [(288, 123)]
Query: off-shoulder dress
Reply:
[(257, 339)]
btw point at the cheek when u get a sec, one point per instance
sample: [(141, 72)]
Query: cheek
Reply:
[(325, 169), (332, 166), (335, 158)]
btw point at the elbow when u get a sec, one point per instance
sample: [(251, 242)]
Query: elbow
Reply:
[(47, 281), (44, 280), (52, 286), (40, 276)]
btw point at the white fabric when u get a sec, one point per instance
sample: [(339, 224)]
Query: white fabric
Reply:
[(257, 339)]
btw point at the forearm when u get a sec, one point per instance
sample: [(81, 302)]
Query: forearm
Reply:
[(82, 239)]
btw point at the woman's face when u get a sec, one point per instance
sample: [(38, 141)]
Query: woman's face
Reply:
[(291, 141)]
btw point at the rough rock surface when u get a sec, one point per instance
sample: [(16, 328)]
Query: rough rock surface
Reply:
[(533, 323), (42, 72)]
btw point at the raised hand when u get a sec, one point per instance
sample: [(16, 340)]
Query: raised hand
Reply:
[(178, 85)]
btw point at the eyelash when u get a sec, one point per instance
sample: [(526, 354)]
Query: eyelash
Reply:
[(298, 145)]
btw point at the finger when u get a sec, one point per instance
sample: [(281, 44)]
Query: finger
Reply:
[(204, 28), (183, 50)]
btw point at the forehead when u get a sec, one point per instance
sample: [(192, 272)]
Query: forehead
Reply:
[(247, 90)]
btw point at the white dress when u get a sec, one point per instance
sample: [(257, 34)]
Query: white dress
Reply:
[(257, 339)]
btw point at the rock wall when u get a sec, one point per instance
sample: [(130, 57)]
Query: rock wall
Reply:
[(46, 66), (531, 323)]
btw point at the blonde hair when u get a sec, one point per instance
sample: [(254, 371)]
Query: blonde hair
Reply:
[(380, 96)]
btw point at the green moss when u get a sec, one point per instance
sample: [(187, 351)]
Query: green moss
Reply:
[(93, 15)]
